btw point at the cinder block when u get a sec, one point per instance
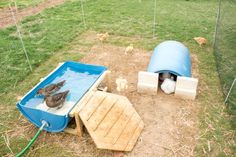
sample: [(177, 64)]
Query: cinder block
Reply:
[(185, 94), (147, 88), (186, 87), (148, 82), (148, 77)]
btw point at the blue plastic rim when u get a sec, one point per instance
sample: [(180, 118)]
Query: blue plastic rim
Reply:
[(56, 123), (172, 57)]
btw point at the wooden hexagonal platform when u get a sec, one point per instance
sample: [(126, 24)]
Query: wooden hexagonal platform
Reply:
[(111, 121)]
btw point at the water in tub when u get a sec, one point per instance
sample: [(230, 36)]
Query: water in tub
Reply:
[(76, 82)]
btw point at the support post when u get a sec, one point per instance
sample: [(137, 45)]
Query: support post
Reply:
[(78, 130), (108, 81), (79, 125)]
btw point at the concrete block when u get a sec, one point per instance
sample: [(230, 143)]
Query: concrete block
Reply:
[(147, 88), (186, 94), (186, 87), (148, 82), (148, 77)]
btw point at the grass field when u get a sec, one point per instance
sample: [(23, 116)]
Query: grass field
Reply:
[(20, 3), (49, 35)]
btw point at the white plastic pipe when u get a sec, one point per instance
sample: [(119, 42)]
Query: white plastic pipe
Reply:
[(230, 90)]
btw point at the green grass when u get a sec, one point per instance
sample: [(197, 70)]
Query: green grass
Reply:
[(225, 53), (20, 3), (43, 34), (48, 36), (11, 118)]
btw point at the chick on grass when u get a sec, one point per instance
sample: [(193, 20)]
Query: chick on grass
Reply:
[(200, 40), (102, 36)]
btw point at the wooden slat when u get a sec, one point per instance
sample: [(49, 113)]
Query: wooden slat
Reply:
[(129, 130), (92, 105), (101, 112), (127, 146), (111, 118), (117, 147), (120, 125), (79, 125), (135, 136)]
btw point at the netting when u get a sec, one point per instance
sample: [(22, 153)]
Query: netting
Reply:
[(225, 52)]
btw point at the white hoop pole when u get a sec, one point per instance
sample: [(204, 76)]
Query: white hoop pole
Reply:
[(230, 90), (154, 19), (82, 9), (20, 36), (217, 22)]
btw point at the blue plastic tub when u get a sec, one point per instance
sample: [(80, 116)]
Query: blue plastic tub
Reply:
[(172, 57), (79, 78)]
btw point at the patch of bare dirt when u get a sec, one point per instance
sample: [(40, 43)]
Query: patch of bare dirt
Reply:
[(6, 18), (170, 122)]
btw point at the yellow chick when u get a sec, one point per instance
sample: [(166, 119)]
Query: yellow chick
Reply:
[(200, 40), (103, 36), (129, 49), (19, 98)]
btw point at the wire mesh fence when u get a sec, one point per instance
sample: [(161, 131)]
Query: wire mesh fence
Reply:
[(225, 52)]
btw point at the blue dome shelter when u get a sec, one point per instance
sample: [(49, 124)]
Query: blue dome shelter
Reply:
[(171, 57)]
